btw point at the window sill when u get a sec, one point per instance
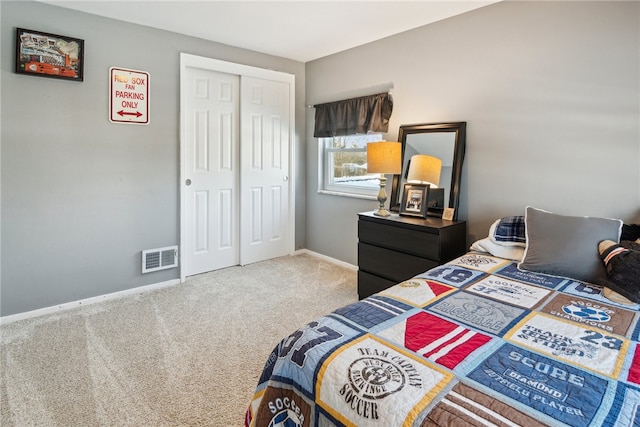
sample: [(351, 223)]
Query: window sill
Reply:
[(352, 195)]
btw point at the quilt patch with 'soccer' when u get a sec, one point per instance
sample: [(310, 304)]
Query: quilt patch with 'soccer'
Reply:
[(376, 384), (606, 317), (480, 262)]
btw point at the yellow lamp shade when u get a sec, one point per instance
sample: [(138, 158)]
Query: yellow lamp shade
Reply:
[(384, 157), (425, 169)]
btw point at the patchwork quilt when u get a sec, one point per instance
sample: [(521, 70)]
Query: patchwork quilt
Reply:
[(472, 342)]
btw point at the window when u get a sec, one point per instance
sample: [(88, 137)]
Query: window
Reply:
[(343, 168)]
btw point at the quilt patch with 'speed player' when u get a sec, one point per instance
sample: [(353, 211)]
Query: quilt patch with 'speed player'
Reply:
[(561, 391)]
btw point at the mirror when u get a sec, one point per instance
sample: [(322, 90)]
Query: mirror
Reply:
[(445, 141)]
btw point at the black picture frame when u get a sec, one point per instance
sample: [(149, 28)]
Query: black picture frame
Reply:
[(49, 55), (414, 200)]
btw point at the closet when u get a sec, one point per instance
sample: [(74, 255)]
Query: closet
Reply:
[(236, 125)]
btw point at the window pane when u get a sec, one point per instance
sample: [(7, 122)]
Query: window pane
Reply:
[(345, 170), (350, 168)]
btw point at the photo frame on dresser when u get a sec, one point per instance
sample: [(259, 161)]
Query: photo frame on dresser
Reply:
[(414, 200)]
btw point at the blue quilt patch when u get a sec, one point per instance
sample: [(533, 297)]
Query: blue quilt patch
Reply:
[(563, 392), (511, 271), (452, 275), (595, 293), (372, 311), (625, 410), (304, 351)]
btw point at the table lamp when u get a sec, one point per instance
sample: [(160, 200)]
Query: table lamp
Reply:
[(384, 158), (425, 170)]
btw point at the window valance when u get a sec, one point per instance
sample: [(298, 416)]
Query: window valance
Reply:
[(356, 115)]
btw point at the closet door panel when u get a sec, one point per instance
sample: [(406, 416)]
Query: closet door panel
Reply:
[(264, 162)]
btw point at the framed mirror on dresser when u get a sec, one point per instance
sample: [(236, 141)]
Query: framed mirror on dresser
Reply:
[(395, 248), (446, 142)]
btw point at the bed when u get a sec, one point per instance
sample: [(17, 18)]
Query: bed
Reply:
[(477, 341)]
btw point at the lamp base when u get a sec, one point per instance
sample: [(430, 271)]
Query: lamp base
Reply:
[(382, 212), (382, 197)]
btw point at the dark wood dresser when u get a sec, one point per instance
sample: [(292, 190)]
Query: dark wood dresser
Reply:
[(395, 248)]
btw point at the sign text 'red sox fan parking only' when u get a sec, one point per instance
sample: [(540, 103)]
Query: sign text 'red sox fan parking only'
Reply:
[(129, 96)]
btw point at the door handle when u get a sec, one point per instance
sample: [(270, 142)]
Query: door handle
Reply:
[(285, 178), (187, 182)]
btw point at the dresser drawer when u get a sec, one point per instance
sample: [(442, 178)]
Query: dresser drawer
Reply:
[(391, 265), (421, 244), (369, 284)]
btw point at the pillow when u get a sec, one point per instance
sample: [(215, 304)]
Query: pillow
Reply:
[(623, 272), (628, 244), (487, 245), (630, 232), (509, 231), (567, 246)]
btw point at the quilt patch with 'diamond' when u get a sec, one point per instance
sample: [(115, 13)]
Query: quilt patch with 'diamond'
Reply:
[(559, 390)]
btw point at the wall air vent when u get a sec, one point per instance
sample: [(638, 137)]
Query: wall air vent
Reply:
[(159, 259)]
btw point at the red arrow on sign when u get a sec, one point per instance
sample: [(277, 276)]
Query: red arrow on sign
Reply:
[(127, 113)]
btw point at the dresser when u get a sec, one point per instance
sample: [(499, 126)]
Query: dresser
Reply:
[(395, 248)]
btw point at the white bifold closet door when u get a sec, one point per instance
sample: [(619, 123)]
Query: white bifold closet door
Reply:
[(235, 148)]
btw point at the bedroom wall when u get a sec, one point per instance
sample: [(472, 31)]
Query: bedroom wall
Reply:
[(549, 91), (82, 197)]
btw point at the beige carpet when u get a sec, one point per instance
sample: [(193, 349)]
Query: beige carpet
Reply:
[(188, 355)]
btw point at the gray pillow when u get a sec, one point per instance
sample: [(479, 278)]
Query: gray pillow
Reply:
[(567, 246)]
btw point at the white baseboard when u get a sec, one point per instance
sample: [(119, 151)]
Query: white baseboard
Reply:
[(328, 259), (87, 301), (134, 291)]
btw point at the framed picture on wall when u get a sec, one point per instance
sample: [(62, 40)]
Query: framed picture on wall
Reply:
[(414, 200), (49, 55)]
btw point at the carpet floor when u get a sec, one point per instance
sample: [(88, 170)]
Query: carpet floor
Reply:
[(186, 355)]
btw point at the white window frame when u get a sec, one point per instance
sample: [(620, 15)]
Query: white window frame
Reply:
[(325, 174)]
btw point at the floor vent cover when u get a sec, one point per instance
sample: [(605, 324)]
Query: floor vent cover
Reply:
[(159, 259)]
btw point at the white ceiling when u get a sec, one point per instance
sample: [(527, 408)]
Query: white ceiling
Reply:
[(302, 30)]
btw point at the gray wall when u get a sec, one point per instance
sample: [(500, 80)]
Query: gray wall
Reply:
[(550, 94), (81, 197)]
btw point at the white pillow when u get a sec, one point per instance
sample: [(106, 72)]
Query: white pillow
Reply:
[(486, 245)]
